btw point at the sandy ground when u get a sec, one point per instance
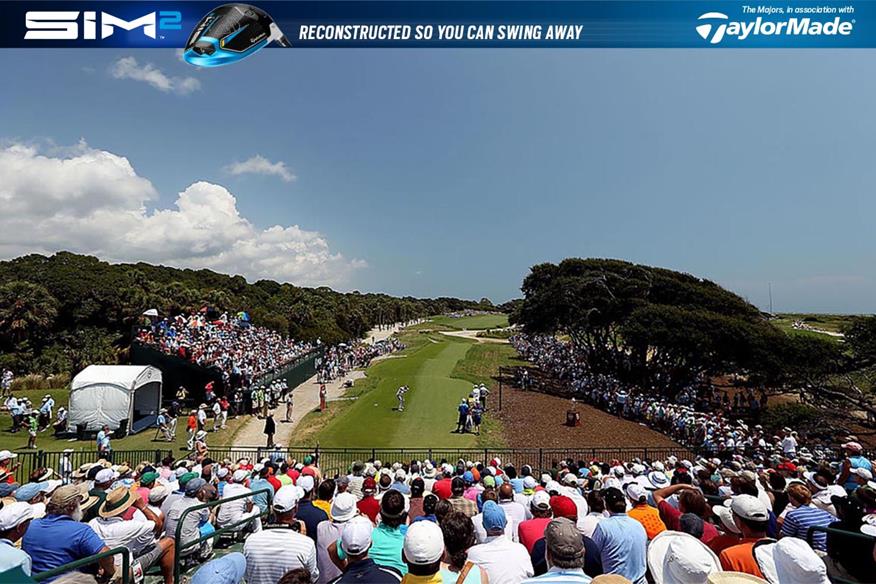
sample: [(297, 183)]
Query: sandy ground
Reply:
[(306, 400), (472, 334)]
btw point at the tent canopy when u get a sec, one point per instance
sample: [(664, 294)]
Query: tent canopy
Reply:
[(115, 395)]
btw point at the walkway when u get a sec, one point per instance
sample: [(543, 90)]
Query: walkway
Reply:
[(306, 400)]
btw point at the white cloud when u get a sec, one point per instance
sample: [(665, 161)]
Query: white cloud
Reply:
[(258, 164), (130, 68), (92, 201)]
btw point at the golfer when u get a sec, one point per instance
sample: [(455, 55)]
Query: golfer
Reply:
[(400, 396)]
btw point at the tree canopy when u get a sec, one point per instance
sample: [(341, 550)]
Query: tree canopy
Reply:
[(62, 312)]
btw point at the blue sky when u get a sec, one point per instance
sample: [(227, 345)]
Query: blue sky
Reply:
[(450, 172)]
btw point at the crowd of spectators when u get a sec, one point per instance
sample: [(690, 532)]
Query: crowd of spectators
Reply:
[(439, 522), (243, 352)]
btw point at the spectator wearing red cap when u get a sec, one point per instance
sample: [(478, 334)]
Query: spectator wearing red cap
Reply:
[(369, 506)]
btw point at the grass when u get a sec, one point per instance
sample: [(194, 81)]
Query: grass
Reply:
[(833, 323), (140, 441), (479, 322), (440, 370)]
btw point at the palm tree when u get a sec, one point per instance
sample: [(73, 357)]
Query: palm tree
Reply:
[(27, 311)]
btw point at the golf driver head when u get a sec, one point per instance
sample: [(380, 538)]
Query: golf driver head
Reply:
[(231, 33)]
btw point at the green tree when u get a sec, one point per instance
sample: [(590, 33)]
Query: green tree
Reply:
[(27, 312)]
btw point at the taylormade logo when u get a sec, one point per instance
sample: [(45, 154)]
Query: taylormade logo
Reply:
[(717, 25)]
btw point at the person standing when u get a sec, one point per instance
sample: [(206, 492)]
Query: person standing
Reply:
[(289, 406), (322, 397), (104, 444), (621, 540), (172, 415), (270, 429), (191, 429), (217, 416), (400, 396)]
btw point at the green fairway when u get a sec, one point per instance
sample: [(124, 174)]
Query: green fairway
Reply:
[(478, 322), (440, 370)]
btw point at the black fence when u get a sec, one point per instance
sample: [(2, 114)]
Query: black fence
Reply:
[(339, 460)]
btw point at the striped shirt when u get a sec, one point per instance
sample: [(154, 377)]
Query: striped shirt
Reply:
[(271, 553), (560, 576), (798, 522)]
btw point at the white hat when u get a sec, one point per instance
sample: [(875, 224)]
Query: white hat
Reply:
[(105, 476), (724, 513), (636, 493), (222, 472), (529, 482), (306, 483), (424, 543), (749, 507), (285, 499), (570, 479), (356, 536), (541, 500), (201, 434), (680, 558), (863, 473), (343, 507), (734, 578), (7, 455), (658, 479), (15, 514), (400, 475), (180, 471), (239, 475), (790, 560)]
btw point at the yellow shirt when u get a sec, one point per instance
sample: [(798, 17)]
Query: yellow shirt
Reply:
[(433, 579), (325, 506)]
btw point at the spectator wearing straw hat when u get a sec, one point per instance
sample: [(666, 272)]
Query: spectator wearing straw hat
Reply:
[(141, 534), (60, 538), (14, 521)]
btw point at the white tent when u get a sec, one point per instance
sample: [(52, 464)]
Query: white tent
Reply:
[(115, 395)]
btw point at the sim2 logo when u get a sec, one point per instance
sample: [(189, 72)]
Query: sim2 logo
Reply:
[(716, 26), (65, 25)]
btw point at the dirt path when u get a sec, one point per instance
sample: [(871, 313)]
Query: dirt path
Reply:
[(306, 400)]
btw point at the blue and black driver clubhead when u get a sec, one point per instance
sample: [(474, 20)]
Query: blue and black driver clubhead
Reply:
[(230, 33)]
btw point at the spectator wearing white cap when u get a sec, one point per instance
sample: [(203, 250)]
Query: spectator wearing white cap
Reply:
[(343, 509), (642, 512), (307, 512), (751, 518), (232, 512), (502, 559), (532, 530), (271, 553), (422, 552), (14, 521), (350, 555), (679, 558)]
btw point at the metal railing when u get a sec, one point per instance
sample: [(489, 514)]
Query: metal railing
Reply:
[(126, 565), (343, 458), (179, 546), (839, 534)]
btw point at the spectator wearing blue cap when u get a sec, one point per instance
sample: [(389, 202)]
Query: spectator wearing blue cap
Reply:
[(501, 559), (31, 492), (229, 569)]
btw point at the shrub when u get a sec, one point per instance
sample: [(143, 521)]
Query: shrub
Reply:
[(30, 381)]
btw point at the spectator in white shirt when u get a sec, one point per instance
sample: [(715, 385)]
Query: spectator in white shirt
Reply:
[(343, 509), (232, 512), (514, 511), (502, 559), (141, 534), (271, 553)]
